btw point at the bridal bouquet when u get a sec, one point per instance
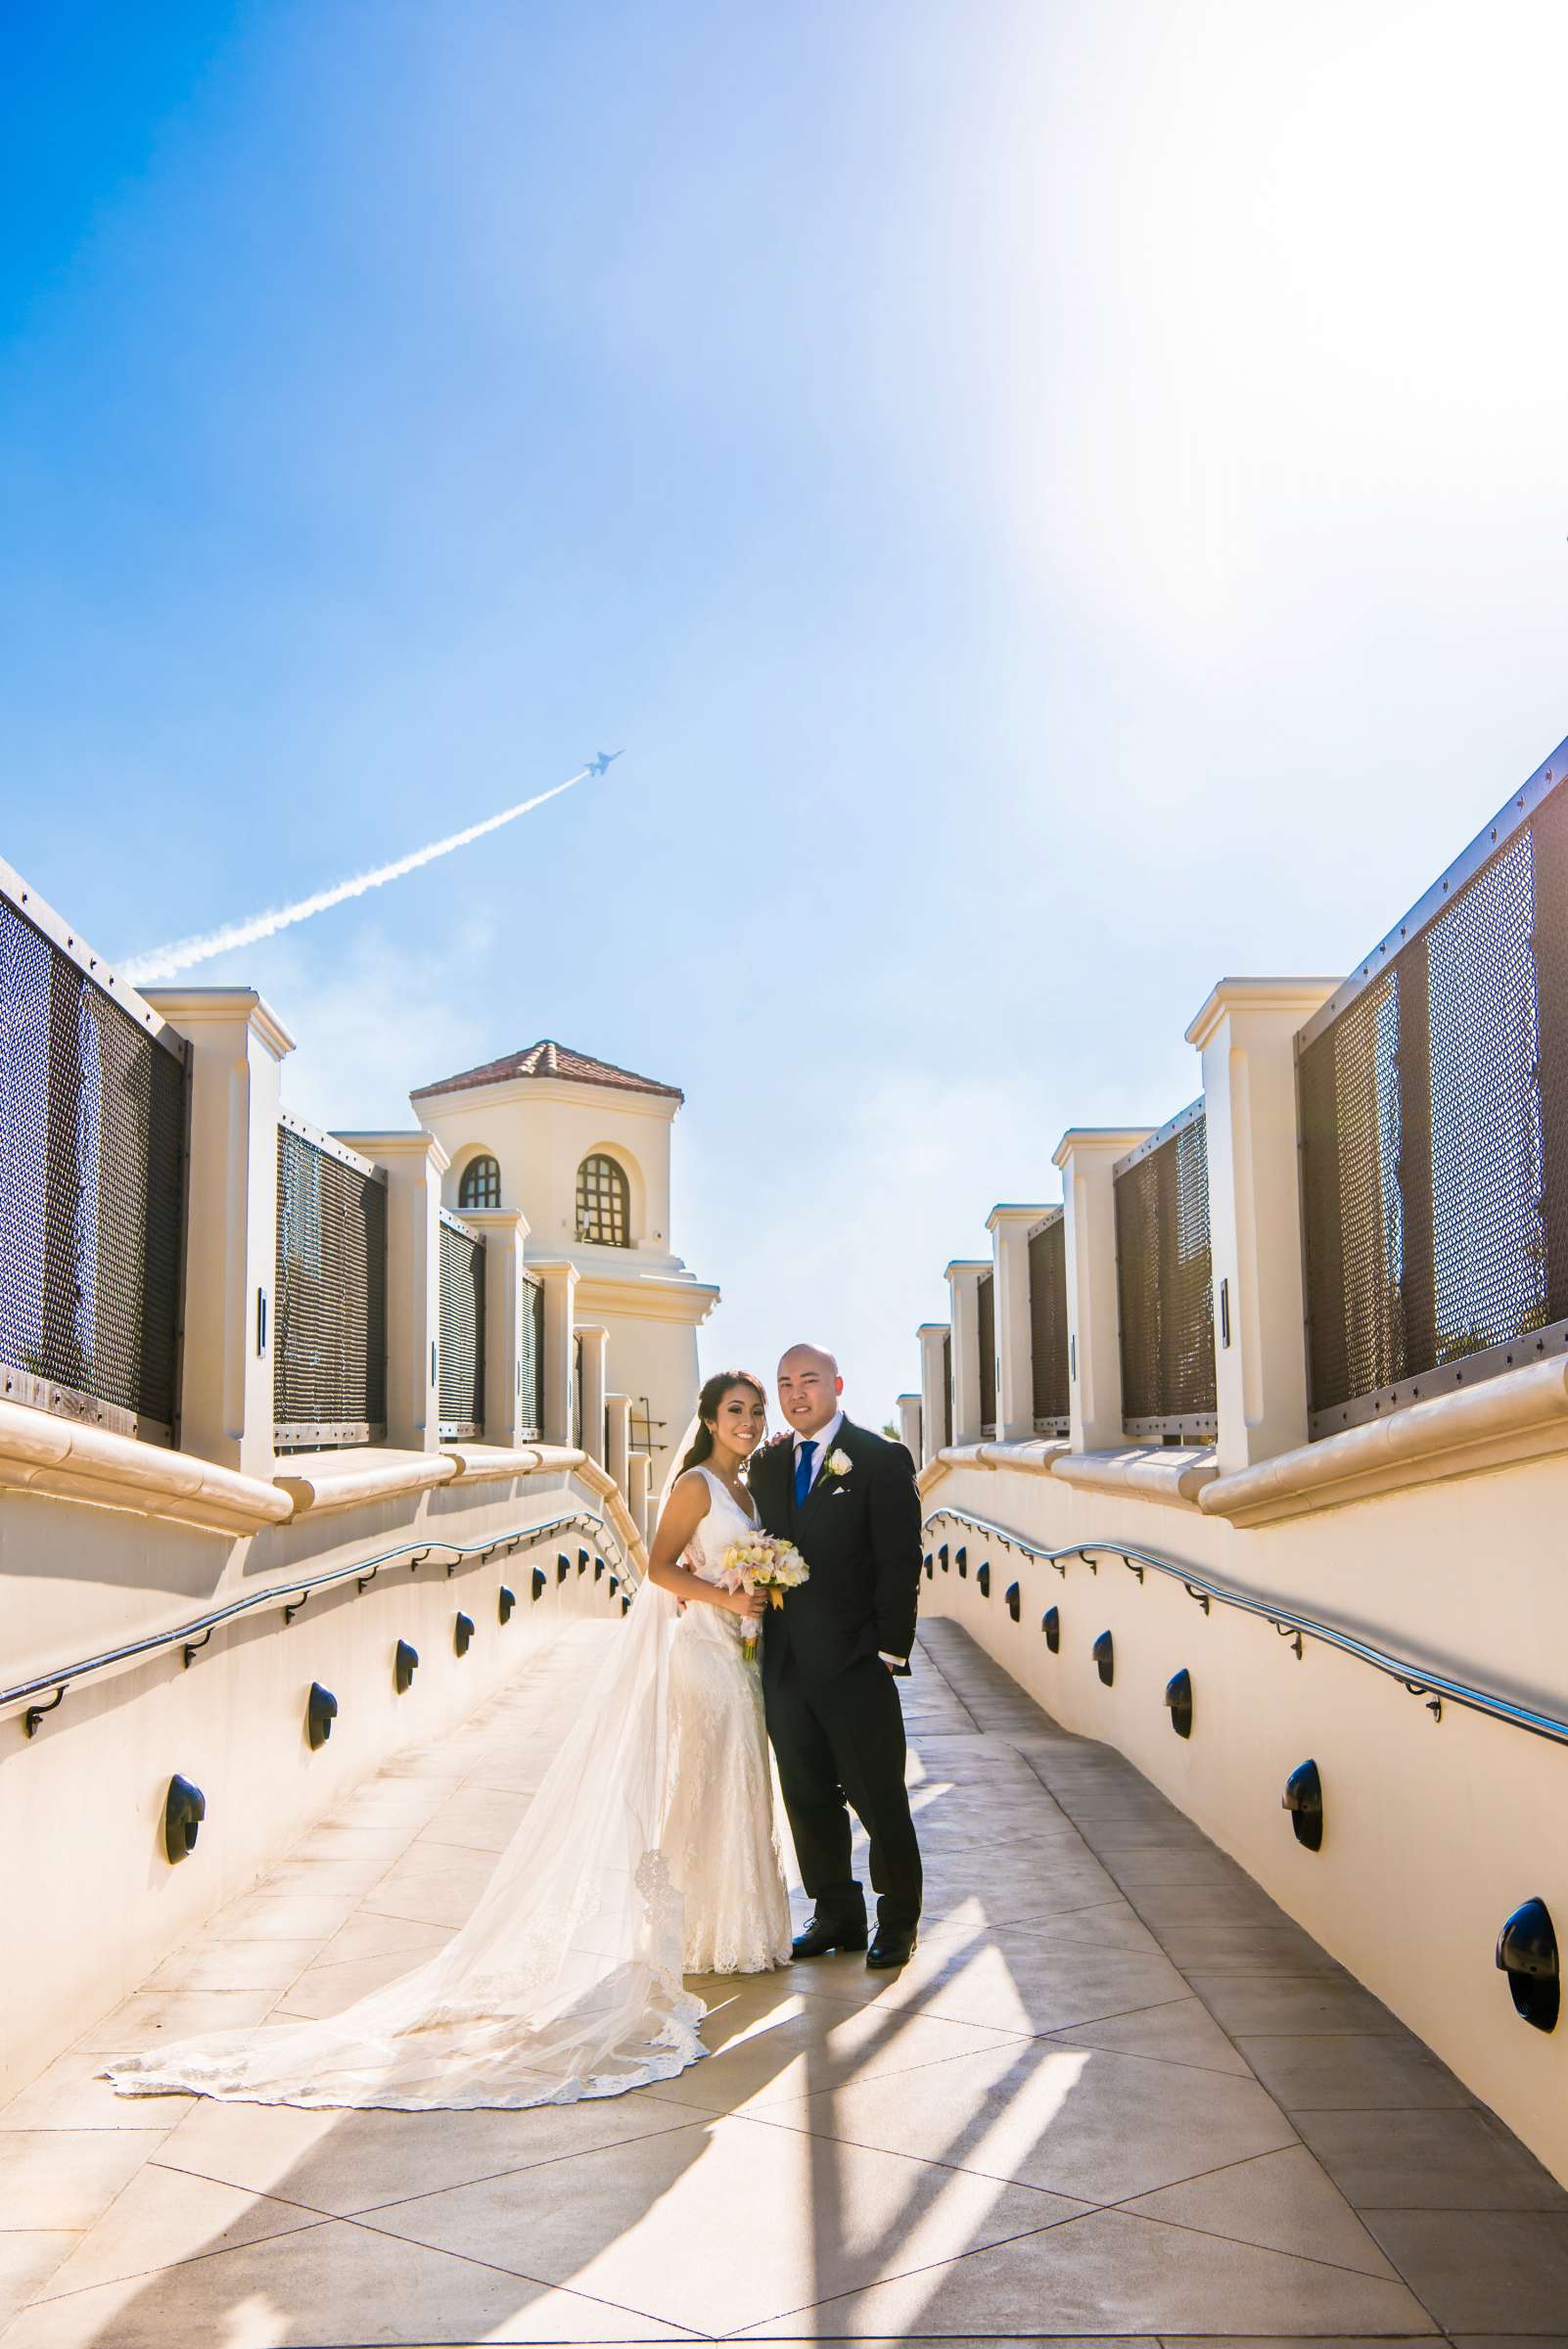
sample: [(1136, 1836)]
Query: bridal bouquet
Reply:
[(766, 1562)]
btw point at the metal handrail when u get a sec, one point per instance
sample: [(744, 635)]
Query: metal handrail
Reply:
[(1435, 1686), (292, 1597)]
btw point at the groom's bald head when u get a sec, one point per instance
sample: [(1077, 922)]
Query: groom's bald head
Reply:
[(809, 1388)]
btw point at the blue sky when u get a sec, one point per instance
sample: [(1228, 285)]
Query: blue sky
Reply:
[(1061, 502)]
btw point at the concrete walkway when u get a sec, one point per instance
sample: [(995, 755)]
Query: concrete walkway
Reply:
[(1117, 2096)]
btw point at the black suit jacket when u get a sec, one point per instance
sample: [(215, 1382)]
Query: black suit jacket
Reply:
[(859, 1533)]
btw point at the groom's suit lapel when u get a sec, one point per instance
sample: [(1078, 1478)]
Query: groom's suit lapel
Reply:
[(825, 1481)]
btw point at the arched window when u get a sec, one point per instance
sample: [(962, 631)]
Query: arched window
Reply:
[(481, 1185), (603, 1203)]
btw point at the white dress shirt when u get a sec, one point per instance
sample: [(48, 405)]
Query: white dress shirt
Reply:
[(825, 1437)]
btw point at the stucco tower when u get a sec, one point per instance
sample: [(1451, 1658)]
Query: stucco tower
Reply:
[(581, 1148)]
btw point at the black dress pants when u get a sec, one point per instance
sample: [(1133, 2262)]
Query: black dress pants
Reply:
[(840, 1741)]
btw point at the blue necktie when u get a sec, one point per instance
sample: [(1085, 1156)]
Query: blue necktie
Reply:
[(802, 1469)]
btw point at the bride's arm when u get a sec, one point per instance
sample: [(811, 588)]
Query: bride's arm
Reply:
[(688, 1504)]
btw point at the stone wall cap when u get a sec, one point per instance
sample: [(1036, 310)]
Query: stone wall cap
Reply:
[(1007, 1210), (1299, 995), (1112, 1139), (407, 1141), (1520, 1415), (317, 1480), (188, 1006), (1169, 1473), (67, 1460), (477, 1460)]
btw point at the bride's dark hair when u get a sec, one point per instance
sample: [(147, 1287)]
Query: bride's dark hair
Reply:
[(714, 1391)]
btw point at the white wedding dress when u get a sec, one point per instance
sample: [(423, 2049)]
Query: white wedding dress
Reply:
[(649, 1850)]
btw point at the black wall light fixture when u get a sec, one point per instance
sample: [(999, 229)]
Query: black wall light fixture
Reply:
[(1527, 1953), (538, 1581), (461, 1633), (505, 1601), (1105, 1657), (1050, 1622), (184, 1810), (983, 1577), (1012, 1601), (1178, 1696), (1304, 1799), (321, 1711), (405, 1663)]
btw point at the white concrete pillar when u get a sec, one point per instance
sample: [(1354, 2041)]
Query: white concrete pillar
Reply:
[(560, 1281), (238, 1045), (1086, 1156), (963, 1287), (932, 1337), (638, 1498), (415, 1163), (594, 1342), (1009, 1228), (1246, 1034), (909, 1426), (617, 1441), (504, 1231)]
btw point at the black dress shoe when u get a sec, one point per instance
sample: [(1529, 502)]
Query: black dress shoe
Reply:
[(822, 1935), (893, 1946)]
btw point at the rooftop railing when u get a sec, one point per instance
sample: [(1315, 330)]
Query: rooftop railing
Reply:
[(1434, 1123), (530, 1358), (1048, 1325), (986, 1318), (1165, 1284), (460, 1354), (329, 1352), (93, 1106)]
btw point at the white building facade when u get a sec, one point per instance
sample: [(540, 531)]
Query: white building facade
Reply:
[(581, 1149)]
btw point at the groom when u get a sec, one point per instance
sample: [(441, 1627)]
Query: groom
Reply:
[(848, 1500)]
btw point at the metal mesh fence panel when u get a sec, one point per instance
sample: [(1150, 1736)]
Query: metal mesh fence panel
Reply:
[(329, 1352), (1434, 1115), (1165, 1284), (1047, 1325), (462, 1338), (92, 1167), (531, 1358), (986, 1314)]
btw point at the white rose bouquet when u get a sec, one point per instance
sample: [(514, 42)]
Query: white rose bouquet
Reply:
[(766, 1562)]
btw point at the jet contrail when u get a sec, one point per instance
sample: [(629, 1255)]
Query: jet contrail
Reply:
[(167, 962)]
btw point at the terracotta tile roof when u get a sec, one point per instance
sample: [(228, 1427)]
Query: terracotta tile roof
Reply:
[(550, 1059)]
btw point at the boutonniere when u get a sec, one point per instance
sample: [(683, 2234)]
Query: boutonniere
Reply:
[(839, 1464)]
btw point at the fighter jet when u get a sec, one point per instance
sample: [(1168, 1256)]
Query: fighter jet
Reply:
[(597, 767)]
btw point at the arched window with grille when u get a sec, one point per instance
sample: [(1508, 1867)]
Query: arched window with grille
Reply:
[(481, 1185), (604, 1202)]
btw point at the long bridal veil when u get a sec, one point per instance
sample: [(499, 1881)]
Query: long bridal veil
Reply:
[(565, 1981)]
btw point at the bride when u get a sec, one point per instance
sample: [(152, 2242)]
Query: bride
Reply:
[(648, 1850)]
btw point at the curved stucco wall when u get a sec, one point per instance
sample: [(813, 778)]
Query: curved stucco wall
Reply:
[(1435, 1829), (93, 1900)]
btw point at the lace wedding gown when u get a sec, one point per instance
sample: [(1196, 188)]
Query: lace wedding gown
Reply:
[(649, 1850)]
